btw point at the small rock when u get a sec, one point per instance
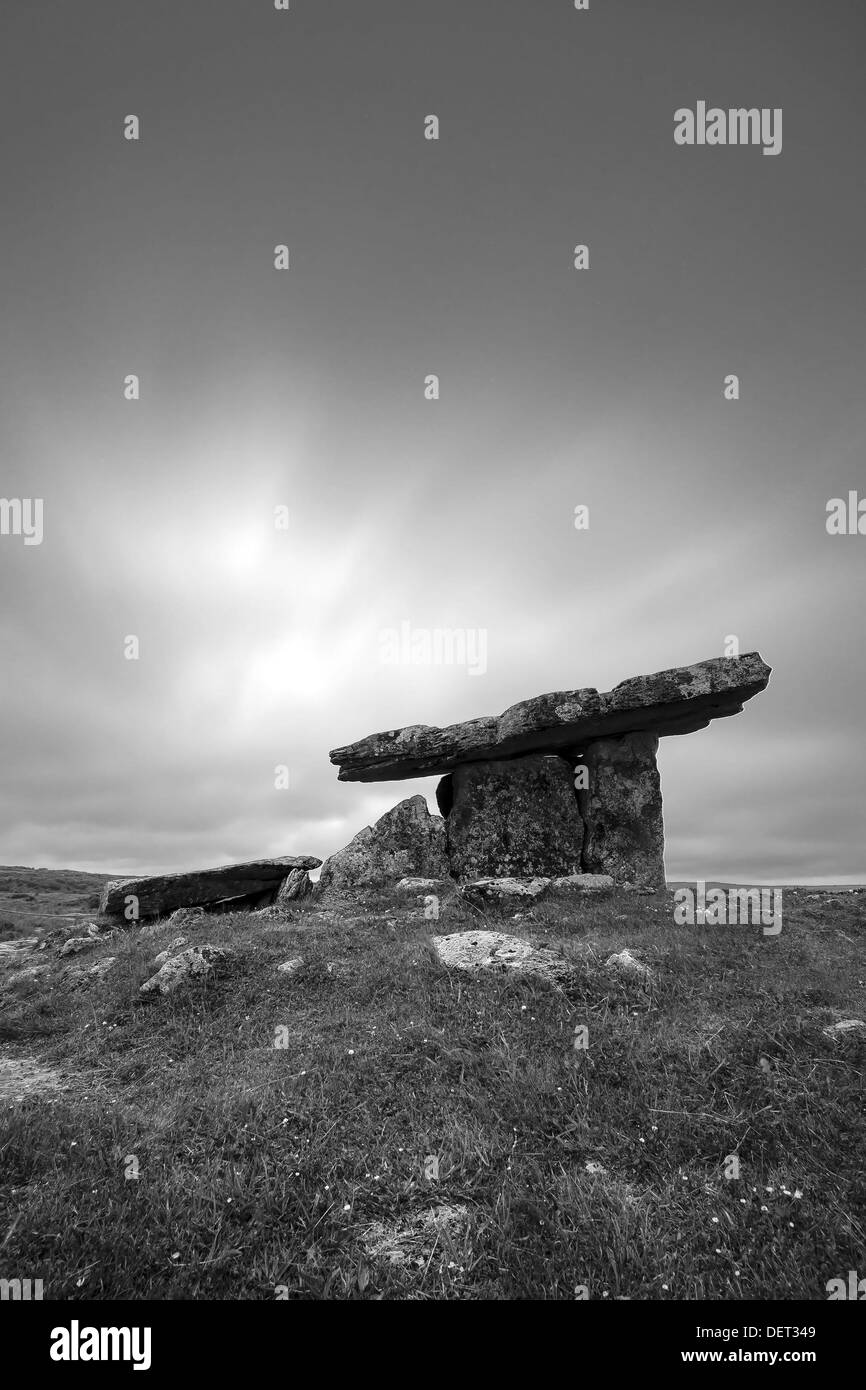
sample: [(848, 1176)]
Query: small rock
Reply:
[(76, 944), (30, 972), (291, 967), (414, 1240), (182, 915), (170, 950), (102, 967), (628, 963), (194, 963), (845, 1028)]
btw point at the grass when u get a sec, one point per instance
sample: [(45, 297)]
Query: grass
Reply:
[(35, 900), (279, 1171)]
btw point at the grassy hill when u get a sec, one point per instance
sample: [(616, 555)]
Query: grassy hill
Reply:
[(376, 1126), (36, 900)]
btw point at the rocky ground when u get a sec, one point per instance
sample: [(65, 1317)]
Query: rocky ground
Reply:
[(349, 1099)]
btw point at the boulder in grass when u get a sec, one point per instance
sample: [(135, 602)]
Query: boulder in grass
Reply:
[(845, 1028), (504, 892), (406, 842), (76, 944), (497, 951), (170, 950), (194, 964), (629, 964), (291, 967), (102, 967)]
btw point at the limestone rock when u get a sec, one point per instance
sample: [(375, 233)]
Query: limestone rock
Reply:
[(193, 964), (580, 883), (628, 964), (184, 917), (170, 950), (236, 883), (406, 841), (492, 950), (622, 809), (424, 885), (293, 888), (675, 701), (415, 1239), (29, 973), (513, 818), (845, 1028), (504, 892), (102, 967), (76, 944), (291, 967)]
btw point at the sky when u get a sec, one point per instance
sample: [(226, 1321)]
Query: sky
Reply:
[(306, 389)]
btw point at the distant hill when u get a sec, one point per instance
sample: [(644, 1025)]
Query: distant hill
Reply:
[(36, 900)]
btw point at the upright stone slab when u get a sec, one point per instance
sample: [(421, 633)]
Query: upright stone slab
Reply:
[(406, 842), (512, 818), (622, 807)]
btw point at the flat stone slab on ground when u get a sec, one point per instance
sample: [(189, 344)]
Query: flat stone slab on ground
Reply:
[(484, 892), (676, 701), (493, 950), (162, 893), (508, 892), (414, 1240), (582, 883), (423, 885)]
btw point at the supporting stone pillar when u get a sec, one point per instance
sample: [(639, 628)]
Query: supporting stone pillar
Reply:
[(512, 817), (622, 808)]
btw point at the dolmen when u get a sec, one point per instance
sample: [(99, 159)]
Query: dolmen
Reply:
[(253, 884), (563, 784)]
